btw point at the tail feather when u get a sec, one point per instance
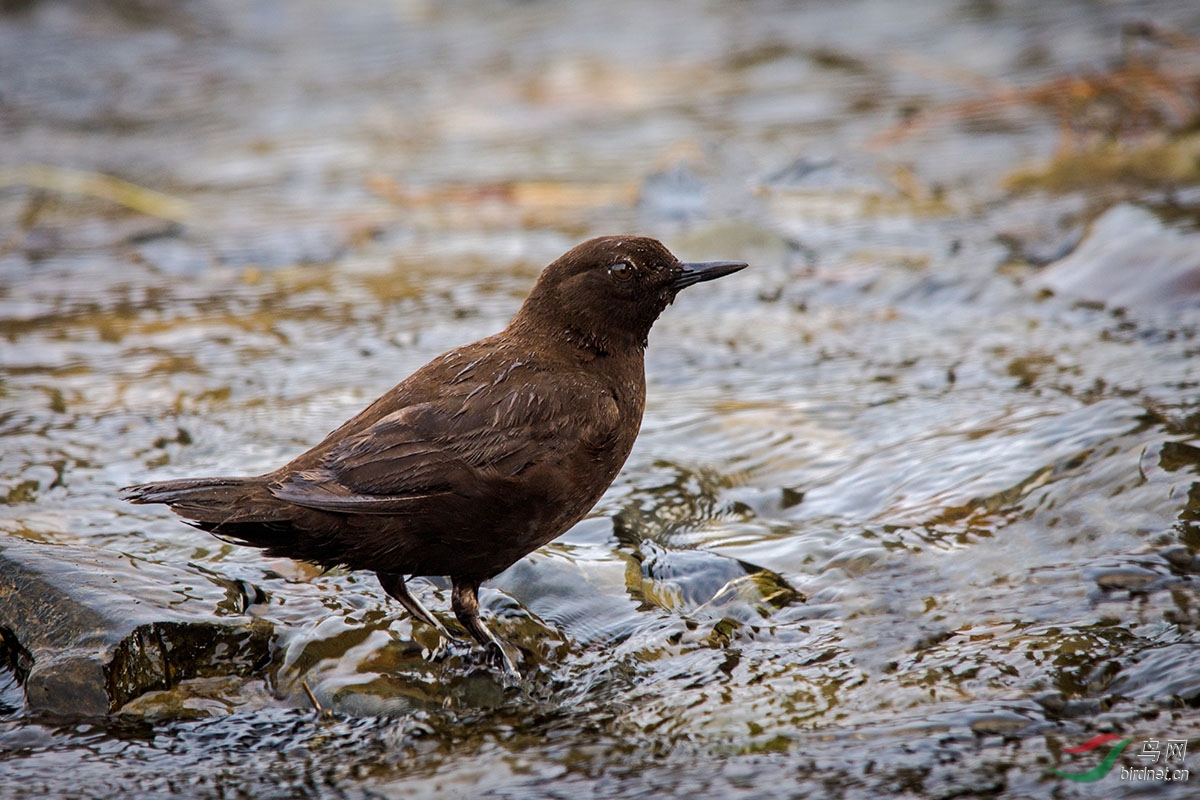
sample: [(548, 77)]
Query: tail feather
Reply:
[(211, 501), (243, 511)]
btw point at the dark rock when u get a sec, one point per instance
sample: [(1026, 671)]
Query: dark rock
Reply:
[(87, 630)]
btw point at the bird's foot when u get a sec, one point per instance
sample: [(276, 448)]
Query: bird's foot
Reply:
[(498, 658), (465, 600), (394, 585)]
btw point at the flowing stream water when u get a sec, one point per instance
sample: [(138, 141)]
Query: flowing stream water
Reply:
[(915, 504)]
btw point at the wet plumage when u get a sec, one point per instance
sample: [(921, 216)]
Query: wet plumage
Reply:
[(479, 457)]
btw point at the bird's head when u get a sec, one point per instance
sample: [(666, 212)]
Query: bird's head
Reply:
[(606, 293)]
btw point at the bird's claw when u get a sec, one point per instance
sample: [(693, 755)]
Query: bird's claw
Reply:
[(498, 658)]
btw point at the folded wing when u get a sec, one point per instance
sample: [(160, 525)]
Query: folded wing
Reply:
[(456, 443)]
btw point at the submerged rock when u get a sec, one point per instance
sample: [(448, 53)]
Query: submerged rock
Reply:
[(1129, 259), (86, 630)]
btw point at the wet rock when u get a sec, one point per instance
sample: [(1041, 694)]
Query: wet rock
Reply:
[(1041, 240), (789, 497), (1181, 557), (1127, 577), (1179, 456), (1057, 705), (1129, 259), (590, 605), (999, 723), (703, 584), (931, 639), (1162, 672), (86, 630)]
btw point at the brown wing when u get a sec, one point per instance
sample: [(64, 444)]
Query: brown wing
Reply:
[(474, 433)]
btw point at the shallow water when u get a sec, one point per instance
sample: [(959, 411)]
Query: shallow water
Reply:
[(899, 520)]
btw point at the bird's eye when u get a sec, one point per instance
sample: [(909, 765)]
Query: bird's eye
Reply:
[(622, 270)]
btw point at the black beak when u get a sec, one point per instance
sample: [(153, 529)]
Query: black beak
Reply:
[(705, 271)]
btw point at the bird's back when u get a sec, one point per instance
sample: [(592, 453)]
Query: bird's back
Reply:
[(478, 458)]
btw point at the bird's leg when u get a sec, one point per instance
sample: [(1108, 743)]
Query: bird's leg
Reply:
[(393, 584), (465, 601)]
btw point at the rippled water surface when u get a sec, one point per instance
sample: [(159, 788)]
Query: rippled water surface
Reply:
[(915, 504)]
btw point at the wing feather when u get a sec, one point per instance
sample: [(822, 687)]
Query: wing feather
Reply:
[(462, 439)]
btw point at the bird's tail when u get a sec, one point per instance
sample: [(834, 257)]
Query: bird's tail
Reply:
[(212, 503), (244, 511)]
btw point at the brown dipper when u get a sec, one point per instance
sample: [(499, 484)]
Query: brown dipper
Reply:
[(479, 457)]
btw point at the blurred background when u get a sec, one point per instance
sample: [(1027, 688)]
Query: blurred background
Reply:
[(915, 504)]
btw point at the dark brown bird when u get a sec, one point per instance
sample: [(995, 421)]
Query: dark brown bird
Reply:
[(479, 457)]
